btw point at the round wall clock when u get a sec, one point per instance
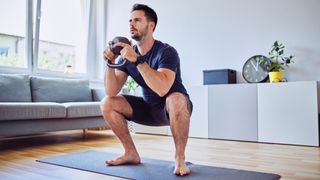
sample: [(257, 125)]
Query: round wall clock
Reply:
[(256, 69)]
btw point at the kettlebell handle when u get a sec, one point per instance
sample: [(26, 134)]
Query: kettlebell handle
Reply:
[(119, 65), (116, 50)]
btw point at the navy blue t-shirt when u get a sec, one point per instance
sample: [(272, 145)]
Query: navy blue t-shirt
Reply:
[(161, 55)]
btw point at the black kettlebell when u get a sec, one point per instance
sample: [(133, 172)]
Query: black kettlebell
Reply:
[(116, 50)]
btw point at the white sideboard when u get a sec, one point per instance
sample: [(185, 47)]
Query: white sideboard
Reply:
[(288, 113), (199, 123), (233, 112), (157, 130), (285, 113)]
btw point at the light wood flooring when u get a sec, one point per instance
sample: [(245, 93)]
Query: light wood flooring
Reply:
[(18, 155)]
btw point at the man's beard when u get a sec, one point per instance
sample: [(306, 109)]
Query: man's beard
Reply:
[(140, 36)]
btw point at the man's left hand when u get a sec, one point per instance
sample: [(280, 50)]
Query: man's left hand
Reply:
[(127, 52)]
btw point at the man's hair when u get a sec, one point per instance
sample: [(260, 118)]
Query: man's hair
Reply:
[(150, 14)]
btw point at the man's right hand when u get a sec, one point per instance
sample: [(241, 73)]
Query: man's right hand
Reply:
[(108, 54)]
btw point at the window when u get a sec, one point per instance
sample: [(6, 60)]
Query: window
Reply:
[(12, 33), (58, 35), (61, 37), (4, 52)]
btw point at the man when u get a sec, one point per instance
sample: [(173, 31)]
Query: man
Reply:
[(155, 66)]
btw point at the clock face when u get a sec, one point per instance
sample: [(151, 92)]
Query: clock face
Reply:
[(256, 69)]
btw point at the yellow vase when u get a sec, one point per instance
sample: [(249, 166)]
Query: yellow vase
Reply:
[(275, 76)]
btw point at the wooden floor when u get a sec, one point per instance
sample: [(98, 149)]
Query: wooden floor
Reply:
[(17, 156)]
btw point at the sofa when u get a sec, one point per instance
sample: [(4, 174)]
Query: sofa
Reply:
[(34, 104)]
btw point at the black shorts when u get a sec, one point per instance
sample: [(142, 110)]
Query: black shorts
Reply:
[(145, 114)]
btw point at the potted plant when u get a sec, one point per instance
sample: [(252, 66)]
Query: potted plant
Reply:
[(130, 85), (278, 62)]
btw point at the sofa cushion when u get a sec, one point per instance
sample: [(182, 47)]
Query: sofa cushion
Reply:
[(82, 109), (60, 90), (14, 88), (31, 110), (98, 94)]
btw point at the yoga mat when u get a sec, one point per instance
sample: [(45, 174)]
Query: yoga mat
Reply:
[(149, 169)]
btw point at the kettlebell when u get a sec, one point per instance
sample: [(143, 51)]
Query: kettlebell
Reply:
[(116, 50)]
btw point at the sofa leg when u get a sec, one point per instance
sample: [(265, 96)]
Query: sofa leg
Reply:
[(84, 133)]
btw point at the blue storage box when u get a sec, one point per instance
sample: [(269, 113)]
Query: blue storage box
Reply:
[(219, 76)]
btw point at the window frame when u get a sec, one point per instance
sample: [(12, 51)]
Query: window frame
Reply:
[(28, 46), (32, 46)]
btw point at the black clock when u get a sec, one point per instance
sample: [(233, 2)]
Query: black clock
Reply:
[(256, 69)]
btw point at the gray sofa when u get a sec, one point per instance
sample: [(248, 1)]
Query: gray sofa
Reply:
[(33, 104)]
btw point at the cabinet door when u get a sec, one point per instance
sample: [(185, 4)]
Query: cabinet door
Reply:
[(199, 117), (159, 130), (233, 112), (288, 113)]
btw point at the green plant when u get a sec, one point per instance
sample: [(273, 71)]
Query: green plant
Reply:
[(131, 85), (12, 61), (278, 61)]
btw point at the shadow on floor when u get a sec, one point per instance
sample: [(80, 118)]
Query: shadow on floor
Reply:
[(55, 138)]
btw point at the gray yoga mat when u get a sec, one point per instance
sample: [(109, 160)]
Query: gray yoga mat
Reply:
[(150, 169)]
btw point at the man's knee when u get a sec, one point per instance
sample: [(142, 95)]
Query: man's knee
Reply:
[(106, 104), (176, 103), (115, 104)]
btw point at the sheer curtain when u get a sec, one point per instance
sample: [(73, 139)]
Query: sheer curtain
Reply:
[(96, 37)]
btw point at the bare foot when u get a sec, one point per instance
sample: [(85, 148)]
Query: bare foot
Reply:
[(125, 159), (181, 169)]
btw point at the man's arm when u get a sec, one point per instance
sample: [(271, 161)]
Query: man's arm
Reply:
[(160, 81), (114, 81)]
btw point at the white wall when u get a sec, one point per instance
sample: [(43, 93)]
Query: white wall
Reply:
[(216, 34)]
